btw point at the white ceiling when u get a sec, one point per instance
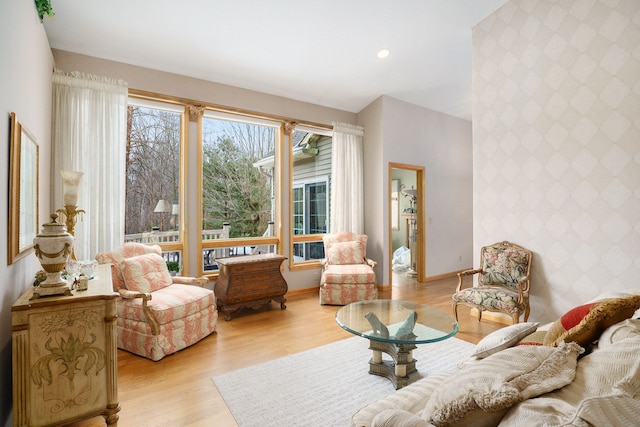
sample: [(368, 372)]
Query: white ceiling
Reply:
[(318, 51)]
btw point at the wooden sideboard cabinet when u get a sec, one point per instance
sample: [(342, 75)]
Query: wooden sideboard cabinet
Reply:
[(65, 365), (250, 281)]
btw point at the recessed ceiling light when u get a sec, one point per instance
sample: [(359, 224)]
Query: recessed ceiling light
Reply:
[(383, 53)]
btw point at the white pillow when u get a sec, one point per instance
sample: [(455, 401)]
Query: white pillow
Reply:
[(629, 328), (504, 338)]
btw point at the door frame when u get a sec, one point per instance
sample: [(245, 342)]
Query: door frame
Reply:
[(420, 216)]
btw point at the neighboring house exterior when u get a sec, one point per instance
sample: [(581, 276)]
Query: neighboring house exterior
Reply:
[(311, 189)]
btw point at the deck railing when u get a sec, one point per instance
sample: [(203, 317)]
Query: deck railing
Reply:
[(209, 255), (156, 236)]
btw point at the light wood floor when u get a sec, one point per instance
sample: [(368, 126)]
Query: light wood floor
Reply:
[(178, 391)]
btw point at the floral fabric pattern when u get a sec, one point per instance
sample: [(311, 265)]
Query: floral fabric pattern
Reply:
[(177, 315), (346, 294), (135, 336), (174, 302), (503, 281), (145, 273), (347, 275), (115, 257), (504, 266), (344, 253), (494, 298)]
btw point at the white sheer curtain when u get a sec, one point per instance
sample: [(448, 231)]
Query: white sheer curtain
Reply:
[(88, 135), (347, 199)]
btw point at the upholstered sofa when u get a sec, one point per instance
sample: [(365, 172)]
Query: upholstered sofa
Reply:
[(581, 370), (158, 314)]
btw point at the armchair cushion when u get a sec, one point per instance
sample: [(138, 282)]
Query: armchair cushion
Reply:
[(127, 250), (345, 253), (352, 274), (499, 299), (174, 302), (145, 273)]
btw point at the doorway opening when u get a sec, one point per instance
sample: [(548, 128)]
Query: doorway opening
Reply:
[(406, 224)]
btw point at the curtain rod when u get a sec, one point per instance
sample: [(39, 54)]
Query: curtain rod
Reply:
[(216, 107)]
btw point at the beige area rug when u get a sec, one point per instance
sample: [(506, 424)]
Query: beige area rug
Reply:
[(324, 386)]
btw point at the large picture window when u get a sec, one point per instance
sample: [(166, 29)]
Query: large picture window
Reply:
[(240, 162), (311, 176), (154, 141), (235, 195)]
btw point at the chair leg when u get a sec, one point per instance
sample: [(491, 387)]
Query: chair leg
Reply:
[(516, 318), (526, 313), (479, 314), (455, 310)]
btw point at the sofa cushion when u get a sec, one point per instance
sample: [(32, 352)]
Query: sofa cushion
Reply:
[(398, 418), (145, 273), (411, 398), (343, 253), (605, 392), (628, 328), (585, 323), (486, 389), (503, 338)]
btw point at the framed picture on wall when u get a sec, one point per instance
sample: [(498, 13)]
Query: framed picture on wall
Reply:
[(23, 191)]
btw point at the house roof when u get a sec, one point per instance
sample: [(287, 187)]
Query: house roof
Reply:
[(317, 51)]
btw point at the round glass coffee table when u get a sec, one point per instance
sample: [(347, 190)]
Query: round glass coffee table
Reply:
[(395, 327)]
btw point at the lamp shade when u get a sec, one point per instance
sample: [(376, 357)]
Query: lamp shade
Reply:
[(175, 209), (70, 187), (163, 206)]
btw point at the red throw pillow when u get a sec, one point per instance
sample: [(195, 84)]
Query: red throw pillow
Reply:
[(585, 323)]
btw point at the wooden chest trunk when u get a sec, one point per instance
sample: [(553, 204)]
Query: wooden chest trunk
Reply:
[(250, 281)]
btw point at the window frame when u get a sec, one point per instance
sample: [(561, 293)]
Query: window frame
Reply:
[(140, 99), (226, 244), (305, 238), (191, 154)]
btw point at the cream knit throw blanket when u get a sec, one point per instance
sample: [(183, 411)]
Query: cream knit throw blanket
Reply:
[(506, 394)]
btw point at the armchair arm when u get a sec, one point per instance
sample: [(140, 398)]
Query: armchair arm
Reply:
[(464, 273), (127, 294), (197, 281), (523, 289), (146, 297)]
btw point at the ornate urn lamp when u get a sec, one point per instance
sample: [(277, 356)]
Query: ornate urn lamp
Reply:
[(53, 248)]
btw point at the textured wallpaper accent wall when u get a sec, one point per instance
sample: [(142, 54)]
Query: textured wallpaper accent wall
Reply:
[(556, 137)]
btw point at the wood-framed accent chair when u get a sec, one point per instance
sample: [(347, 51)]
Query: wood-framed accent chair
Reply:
[(503, 282), (157, 314), (347, 273)]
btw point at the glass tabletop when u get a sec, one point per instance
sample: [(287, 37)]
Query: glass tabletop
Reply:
[(397, 322)]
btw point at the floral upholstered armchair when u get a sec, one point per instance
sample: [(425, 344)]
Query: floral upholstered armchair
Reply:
[(503, 282), (347, 273), (157, 314)]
